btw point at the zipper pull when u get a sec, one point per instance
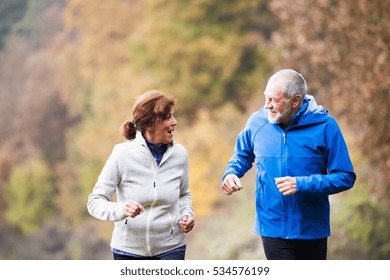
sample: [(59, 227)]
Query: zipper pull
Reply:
[(172, 229), (126, 222), (284, 137)]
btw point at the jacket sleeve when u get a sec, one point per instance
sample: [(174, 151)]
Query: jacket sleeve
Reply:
[(185, 200), (99, 203), (341, 175), (243, 155)]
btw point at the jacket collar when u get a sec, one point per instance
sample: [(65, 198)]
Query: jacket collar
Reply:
[(309, 113), (140, 140)]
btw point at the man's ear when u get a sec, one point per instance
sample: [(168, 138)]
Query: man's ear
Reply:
[(296, 100)]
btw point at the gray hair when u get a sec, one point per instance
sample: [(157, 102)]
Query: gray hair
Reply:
[(294, 83)]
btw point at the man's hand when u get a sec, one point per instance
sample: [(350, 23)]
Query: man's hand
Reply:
[(286, 185), (231, 184)]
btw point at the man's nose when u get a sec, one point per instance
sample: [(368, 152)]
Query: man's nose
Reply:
[(268, 103)]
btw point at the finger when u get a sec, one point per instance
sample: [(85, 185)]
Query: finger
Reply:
[(187, 227), (283, 182), (283, 190), (183, 226), (287, 189), (226, 189), (280, 180), (185, 221), (141, 208), (188, 222), (133, 205), (287, 192), (187, 230), (229, 180), (191, 223), (233, 184), (237, 182), (133, 213), (283, 185), (133, 209)]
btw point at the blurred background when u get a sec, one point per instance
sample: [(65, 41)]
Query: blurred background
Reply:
[(70, 71)]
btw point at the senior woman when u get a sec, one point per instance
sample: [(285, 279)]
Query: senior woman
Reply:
[(149, 175)]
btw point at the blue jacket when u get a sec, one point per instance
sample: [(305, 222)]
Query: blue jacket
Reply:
[(311, 149)]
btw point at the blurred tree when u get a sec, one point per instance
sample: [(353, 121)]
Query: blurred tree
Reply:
[(99, 86), (97, 65), (34, 118), (33, 27), (209, 144), (28, 196), (361, 222), (11, 11), (343, 48), (206, 52)]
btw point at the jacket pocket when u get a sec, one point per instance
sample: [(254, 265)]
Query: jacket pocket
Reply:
[(133, 235), (164, 226)]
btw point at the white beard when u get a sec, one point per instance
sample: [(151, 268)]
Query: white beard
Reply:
[(280, 116)]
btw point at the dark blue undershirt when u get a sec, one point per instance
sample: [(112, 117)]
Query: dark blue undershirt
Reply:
[(157, 150)]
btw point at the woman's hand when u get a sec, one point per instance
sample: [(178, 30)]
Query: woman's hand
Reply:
[(133, 209), (187, 223)]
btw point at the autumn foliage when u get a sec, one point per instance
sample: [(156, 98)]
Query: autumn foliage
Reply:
[(70, 71)]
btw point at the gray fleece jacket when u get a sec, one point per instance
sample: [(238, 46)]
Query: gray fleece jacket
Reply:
[(131, 173)]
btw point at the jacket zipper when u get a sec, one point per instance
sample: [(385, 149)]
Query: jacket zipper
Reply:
[(285, 200), (149, 217), (155, 192), (172, 224)]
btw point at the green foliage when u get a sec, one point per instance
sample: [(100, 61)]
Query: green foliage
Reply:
[(210, 59), (31, 27), (28, 196), (11, 11), (365, 227), (360, 222), (205, 52), (213, 56)]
